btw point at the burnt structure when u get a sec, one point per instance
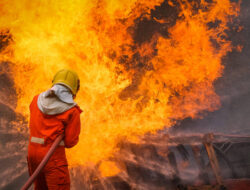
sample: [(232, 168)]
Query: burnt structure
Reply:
[(210, 161)]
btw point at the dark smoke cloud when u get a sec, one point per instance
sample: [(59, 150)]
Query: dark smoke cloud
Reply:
[(233, 87)]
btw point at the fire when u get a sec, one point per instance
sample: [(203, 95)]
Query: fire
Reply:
[(130, 84)]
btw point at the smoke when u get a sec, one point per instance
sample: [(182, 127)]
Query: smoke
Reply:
[(232, 87), (13, 134)]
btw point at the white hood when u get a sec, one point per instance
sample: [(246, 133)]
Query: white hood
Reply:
[(54, 101)]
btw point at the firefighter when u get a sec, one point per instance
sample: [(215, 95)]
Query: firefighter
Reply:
[(52, 113)]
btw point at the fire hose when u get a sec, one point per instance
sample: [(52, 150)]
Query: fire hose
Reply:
[(43, 163)]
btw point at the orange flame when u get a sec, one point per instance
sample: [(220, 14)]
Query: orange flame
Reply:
[(127, 88)]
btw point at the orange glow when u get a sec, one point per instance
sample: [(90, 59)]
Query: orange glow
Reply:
[(108, 168), (122, 96)]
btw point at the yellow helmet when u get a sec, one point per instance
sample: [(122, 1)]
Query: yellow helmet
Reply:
[(68, 78)]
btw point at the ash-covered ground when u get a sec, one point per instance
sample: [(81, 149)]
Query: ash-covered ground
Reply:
[(147, 166)]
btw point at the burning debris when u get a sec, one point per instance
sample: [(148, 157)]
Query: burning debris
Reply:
[(169, 162), (145, 65)]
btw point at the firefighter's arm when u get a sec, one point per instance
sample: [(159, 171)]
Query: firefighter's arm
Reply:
[(72, 129)]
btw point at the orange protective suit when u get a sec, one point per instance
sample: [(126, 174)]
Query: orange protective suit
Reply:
[(55, 174)]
